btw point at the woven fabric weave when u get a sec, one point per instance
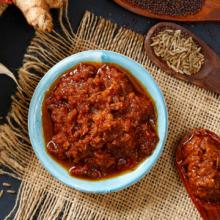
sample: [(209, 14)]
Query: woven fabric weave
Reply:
[(160, 195)]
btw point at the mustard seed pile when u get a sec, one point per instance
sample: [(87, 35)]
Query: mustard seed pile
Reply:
[(180, 52), (170, 7)]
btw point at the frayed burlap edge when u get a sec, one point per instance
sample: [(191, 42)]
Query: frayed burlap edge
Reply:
[(43, 197)]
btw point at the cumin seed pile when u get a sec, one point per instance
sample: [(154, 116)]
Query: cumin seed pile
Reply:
[(181, 53)]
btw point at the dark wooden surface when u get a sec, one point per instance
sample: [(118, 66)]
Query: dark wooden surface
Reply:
[(15, 36)]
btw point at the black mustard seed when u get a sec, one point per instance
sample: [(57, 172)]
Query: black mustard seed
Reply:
[(170, 7)]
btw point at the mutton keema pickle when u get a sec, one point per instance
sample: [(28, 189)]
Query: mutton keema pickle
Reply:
[(98, 121)]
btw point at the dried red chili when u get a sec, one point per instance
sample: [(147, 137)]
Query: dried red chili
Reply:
[(198, 163), (102, 121)]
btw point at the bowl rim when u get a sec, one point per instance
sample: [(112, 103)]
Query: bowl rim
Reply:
[(34, 138)]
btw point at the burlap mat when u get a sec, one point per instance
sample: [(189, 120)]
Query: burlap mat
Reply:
[(160, 195)]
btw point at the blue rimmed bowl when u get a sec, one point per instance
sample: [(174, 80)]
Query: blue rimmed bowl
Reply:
[(36, 130)]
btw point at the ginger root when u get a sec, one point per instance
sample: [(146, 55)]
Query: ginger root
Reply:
[(37, 12)]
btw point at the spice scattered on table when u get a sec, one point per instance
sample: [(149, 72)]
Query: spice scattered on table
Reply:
[(170, 7), (6, 184), (1, 193), (180, 52), (11, 191)]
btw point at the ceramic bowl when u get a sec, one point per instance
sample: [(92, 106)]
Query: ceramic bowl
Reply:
[(36, 131)]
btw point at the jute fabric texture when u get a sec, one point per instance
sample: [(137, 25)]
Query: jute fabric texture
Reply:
[(159, 195)]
